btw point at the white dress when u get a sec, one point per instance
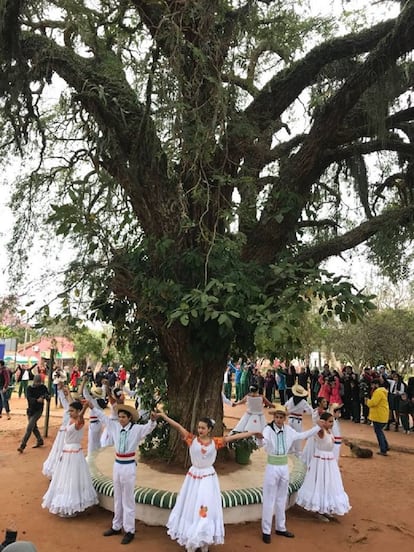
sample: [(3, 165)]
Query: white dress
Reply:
[(197, 517), (56, 450), (309, 448), (253, 419), (322, 490), (71, 490)]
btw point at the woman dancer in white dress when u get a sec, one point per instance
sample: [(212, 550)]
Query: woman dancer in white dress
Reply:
[(196, 521), (56, 450), (71, 491), (253, 419), (308, 449), (296, 407), (322, 490)]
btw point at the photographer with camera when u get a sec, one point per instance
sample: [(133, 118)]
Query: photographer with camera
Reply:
[(37, 394)]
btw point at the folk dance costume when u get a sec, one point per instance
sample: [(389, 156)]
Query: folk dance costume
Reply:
[(295, 414), (71, 490), (106, 439), (276, 443), (337, 435), (322, 490), (309, 448), (126, 440), (95, 425), (253, 419), (196, 521), (56, 450)]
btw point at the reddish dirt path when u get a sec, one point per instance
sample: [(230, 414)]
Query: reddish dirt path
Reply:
[(381, 492)]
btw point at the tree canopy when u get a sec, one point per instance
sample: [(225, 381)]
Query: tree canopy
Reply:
[(205, 157)]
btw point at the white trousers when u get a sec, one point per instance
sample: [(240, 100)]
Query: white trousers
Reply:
[(124, 501), (275, 494), (94, 436)]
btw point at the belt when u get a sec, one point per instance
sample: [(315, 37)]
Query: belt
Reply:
[(93, 421), (295, 416), (277, 459), (125, 458)]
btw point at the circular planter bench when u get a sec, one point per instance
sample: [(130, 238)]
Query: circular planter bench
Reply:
[(155, 501)]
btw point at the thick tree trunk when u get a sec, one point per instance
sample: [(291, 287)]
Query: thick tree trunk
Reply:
[(194, 386)]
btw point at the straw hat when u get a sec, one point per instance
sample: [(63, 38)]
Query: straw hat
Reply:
[(127, 408), (279, 409), (76, 396), (299, 391), (97, 392), (335, 406)]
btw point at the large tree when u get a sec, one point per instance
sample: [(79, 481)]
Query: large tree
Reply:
[(166, 109)]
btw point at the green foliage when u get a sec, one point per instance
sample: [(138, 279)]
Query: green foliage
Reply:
[(384, 337)]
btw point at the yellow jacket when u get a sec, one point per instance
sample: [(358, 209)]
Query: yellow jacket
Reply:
[(379, 410)]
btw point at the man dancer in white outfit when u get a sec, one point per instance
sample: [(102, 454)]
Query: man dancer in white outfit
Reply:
[(126, 435), (277, 440)]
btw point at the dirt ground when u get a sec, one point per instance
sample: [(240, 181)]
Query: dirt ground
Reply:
[(381, 492)]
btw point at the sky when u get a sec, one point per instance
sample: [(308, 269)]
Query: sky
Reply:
[(43, 258)]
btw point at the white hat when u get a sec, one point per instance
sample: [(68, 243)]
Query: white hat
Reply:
[(20, 546)]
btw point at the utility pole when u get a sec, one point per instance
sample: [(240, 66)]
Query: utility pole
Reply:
[(49, 388)]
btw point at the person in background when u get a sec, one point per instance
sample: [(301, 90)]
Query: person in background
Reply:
[(290, 380), (4, 389), (314, 386), (89, 374), (379, 414), (237, 380), (227, 381), (111, 377), (74, 377), (58, 377), (122, 376), (133, 378), (37, 394), (404, 409), (269, 385)]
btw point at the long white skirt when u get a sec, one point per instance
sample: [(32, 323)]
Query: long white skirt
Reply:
[(71, 490), (250, 422), (322, 490), (197, 517), (54, 454)]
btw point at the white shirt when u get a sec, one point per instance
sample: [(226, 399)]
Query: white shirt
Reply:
[(131, 436), (271, 443)]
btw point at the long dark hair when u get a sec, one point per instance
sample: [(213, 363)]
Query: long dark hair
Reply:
[(208, 421), (325, 416)]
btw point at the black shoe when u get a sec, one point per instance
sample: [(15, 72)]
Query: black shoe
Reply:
[(37, 445), (266, 538), (287, 534), (20, 449), (110, 532), (383, 453), (128, 537)]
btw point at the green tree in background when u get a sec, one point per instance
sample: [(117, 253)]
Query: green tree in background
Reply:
[(383, 337), (204, 157)]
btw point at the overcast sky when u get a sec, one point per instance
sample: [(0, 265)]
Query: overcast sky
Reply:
[(41, 260)]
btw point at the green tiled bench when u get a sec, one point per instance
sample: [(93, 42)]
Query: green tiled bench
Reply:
[(165, 500)]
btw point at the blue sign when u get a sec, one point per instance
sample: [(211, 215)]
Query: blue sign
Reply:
[(2, 350)]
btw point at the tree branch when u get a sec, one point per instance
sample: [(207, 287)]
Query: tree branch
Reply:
[(356, 236)]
